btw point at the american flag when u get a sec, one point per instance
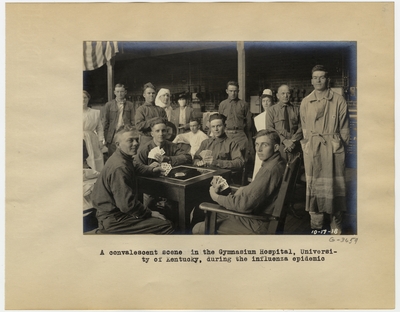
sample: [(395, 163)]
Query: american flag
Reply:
[(97, 53)]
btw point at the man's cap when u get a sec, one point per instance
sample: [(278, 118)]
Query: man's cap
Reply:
[(266, 92)]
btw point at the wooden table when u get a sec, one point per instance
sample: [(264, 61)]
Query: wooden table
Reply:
[(186, 192)]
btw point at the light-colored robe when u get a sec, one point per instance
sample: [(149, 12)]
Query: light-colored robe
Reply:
[(325, 127)]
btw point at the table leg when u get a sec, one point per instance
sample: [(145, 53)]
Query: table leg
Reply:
[(183, 216)]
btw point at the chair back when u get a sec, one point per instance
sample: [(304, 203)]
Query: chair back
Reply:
[(286, 191)]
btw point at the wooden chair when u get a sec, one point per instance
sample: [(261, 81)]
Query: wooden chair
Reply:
[(239, 177), (278, 217)]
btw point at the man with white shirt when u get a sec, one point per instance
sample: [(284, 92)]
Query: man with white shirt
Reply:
[(193, 138)]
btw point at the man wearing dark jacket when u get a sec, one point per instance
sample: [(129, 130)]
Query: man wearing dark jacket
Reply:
[(116, 114), (118, 209)]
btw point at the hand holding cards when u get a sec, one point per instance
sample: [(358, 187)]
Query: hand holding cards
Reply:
[(167, 167), (207, 158), (156, 151), (219, 183)]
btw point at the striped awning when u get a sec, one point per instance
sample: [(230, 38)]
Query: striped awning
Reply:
[(97, 53)]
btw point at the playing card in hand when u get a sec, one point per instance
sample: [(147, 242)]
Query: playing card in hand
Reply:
[(219, 183), (156, 150), (200, 163), (205, 153), (167, 167), (208, 160)]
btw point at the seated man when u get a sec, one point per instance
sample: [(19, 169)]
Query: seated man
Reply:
[(225, 152), (118, 210), (173, 154), (256, 198), (193, 138)]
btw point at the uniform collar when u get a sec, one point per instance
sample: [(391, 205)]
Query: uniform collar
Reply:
[(327, 94), (234, 100), (221, 138), (283, 105), (123, 155), (273, 158)]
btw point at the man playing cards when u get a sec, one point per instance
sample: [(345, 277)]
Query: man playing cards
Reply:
[(160, 152), (118, 210), (256, 198), (219, 150)]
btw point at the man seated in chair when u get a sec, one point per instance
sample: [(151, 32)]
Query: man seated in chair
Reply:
[(114, 197), (256, 198), (226, 153)]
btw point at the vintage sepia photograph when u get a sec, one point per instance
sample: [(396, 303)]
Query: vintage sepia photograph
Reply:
[(271, 126), (258, 137)]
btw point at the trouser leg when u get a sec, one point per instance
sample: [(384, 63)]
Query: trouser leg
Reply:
[(316, 220), (337, 222), (121, 223)]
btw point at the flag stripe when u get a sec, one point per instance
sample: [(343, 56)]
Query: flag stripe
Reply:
[(97, 53)]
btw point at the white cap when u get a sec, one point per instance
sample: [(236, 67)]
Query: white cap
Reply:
[(267, 92)]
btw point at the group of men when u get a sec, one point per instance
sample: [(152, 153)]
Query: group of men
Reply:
[(319, 128)]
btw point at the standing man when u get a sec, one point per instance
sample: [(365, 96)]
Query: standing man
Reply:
[(284, 118), (238, 118), (148, 112), (114, 194), (325, 124), (116, 114)]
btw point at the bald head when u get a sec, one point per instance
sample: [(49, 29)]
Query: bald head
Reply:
[(283, 94)]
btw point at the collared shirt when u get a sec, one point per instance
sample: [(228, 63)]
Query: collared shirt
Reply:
[(178, 156), (145, 114), (259, 196), (182, 116), (115, 187), (110, 115), (237, 113), (225, 151), (120, 122), (168, 111), (275, 121), (193, 139)]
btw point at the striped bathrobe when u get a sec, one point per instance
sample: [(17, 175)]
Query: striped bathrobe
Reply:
[(325, 127)]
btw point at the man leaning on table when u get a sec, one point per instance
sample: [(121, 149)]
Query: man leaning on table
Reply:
[(118, 209), (226, 153), (172, 153)]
